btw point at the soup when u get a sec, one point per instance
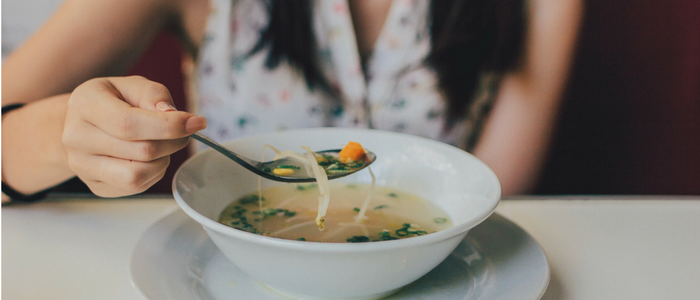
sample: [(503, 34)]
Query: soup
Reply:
[(318, 166), (290, 211)]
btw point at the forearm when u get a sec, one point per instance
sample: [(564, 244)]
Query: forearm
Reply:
[(516, 138), (33, 156), (84, 39)]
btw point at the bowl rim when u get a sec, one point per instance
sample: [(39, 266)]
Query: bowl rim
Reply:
[(311, 246)]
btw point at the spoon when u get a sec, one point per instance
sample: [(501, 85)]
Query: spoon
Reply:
[(263, 168)]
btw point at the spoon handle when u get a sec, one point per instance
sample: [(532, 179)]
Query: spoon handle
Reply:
[(253, 166), (247, 163), (257, 167)]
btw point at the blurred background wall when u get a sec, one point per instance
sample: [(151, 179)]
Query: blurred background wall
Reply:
[(630, 123)]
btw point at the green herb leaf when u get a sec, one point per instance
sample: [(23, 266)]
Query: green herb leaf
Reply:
[(380, 207)]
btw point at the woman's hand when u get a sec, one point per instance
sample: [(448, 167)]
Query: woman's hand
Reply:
[(119, 133)]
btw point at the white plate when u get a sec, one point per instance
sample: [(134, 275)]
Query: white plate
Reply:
[(176, 260)]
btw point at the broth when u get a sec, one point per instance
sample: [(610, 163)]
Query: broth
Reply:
[(289, 212)]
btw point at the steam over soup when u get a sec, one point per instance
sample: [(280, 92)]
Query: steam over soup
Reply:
[(289, 212)]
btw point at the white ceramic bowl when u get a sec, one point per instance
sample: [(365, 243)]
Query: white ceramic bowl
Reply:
[(452, 179)]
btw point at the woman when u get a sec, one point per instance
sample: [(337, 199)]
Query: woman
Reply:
[(458, 71)]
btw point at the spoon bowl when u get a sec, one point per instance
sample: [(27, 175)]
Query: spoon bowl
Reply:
[(264, 168)]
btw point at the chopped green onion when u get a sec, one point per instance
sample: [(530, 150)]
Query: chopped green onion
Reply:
[(386, 236), (301, 239), (357, 209), (440, 220), (358, 239), (392, 195), (380, 207), (302, 187), (250, 199), (237, 214), (403, 231), (289, 167), (268, 212)]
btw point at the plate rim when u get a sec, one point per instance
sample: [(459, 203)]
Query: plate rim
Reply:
[(179, 217)]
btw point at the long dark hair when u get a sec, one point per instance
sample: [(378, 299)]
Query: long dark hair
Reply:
[(468, 37)]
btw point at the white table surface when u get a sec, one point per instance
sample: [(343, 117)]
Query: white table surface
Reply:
[(603, 247)]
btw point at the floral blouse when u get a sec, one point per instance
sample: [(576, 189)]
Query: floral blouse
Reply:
[(397, 92)]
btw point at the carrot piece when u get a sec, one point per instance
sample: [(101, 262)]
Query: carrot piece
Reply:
[(351, 152)]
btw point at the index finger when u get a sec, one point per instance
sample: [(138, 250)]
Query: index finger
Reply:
[(103, 105)]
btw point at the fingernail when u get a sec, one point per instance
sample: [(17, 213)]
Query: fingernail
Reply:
[(165, 106), (195, 124)]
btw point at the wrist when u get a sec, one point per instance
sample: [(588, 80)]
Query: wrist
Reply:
[(33, 155)]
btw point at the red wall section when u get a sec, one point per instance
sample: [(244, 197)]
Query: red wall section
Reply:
[(631, 121)]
